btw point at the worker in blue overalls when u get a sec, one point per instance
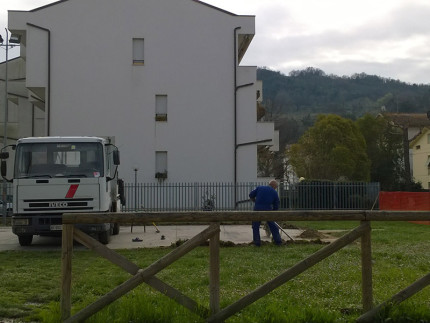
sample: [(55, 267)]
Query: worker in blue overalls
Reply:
[(266, 199)]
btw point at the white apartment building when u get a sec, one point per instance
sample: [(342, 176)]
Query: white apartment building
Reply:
[(161, 76)]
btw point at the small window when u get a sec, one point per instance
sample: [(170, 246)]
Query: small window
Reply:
[(161, 165), (138, 51), (418, 147), (161, 108)]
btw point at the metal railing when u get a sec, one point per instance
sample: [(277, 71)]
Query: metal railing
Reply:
[(230, 196), (188, 196), (330, 196), (9, 191)]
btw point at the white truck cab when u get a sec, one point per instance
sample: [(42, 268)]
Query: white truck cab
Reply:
[(56, 175)]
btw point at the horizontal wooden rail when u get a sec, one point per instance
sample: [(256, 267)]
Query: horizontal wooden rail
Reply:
[(237, 216)]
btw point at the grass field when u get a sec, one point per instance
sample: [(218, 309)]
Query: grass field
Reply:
[(328, 292)]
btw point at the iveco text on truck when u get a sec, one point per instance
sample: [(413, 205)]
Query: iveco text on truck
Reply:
[(56, 175)]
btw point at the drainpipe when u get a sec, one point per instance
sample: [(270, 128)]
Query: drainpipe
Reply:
[(235, 111), (48, 100), (6, 102), (32, 120)]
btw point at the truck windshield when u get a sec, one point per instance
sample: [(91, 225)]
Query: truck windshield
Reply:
[(66, 159)]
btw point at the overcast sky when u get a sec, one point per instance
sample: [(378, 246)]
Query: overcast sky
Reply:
[(389, 38)]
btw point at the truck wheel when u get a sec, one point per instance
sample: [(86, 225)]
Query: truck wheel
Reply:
[(115, 229), (25, 240), (104, 237)]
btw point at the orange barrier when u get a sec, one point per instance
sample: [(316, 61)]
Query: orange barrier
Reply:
[(405, 201)]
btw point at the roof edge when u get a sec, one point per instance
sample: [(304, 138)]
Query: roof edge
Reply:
[(197, 1), (214, 7), (222, 10), (47, 5), (417, 138)]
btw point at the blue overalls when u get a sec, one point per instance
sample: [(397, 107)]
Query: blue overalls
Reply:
[(266, 199)]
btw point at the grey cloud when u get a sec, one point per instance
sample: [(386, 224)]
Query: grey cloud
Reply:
[(406, 70), (398, 27)]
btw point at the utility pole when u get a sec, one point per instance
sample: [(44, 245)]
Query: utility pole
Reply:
[(14, 40), (6, 116)]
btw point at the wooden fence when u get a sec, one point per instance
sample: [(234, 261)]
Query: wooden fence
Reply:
[(214, 313)]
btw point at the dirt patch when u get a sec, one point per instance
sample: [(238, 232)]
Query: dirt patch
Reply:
[(312, 234), (286, 225)]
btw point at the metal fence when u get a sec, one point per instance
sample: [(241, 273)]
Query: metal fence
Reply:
[(230, 196), (330, 196), (188, 196), (8, 191)]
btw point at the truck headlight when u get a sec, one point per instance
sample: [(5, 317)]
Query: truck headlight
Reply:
[(20, 221)]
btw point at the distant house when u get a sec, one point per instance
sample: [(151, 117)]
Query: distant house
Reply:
[(420, 148), (413, 122), (161, 76), (414, 126)]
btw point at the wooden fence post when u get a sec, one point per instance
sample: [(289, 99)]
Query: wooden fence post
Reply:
[(214, 265), (66, 270), (366, 268)]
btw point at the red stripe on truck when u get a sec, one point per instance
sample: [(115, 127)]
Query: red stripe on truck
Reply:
[(72, 190)]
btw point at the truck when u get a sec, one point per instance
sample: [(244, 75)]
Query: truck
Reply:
[(57, 175)]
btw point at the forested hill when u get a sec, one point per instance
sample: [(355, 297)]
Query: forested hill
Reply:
[(311, 91)]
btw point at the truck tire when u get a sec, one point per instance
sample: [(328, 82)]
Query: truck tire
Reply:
[(25, 240), (104, 237)]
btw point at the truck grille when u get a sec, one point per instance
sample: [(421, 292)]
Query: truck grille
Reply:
[(50, 221), (82, 204)]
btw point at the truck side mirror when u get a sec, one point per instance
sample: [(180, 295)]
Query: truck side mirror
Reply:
[(4, 155), (3, 168), (116, 157)]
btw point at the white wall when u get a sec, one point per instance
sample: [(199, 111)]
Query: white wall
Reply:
[(189, 56)]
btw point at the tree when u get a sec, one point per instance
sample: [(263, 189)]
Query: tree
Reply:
[(385, 150), (332, 149), (290, 131), (274, 164), (270, 163), (313, 91)]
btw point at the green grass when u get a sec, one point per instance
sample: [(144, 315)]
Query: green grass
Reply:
[(328, 292)]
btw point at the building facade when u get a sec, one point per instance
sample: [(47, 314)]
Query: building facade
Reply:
[(420, 148), (161, 76), (413, 126)]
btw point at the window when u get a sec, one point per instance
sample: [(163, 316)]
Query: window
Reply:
[(138, 51), (428, 138), (418, 147), (428, 165), (161, 165), (161, 108), (68, 159)]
